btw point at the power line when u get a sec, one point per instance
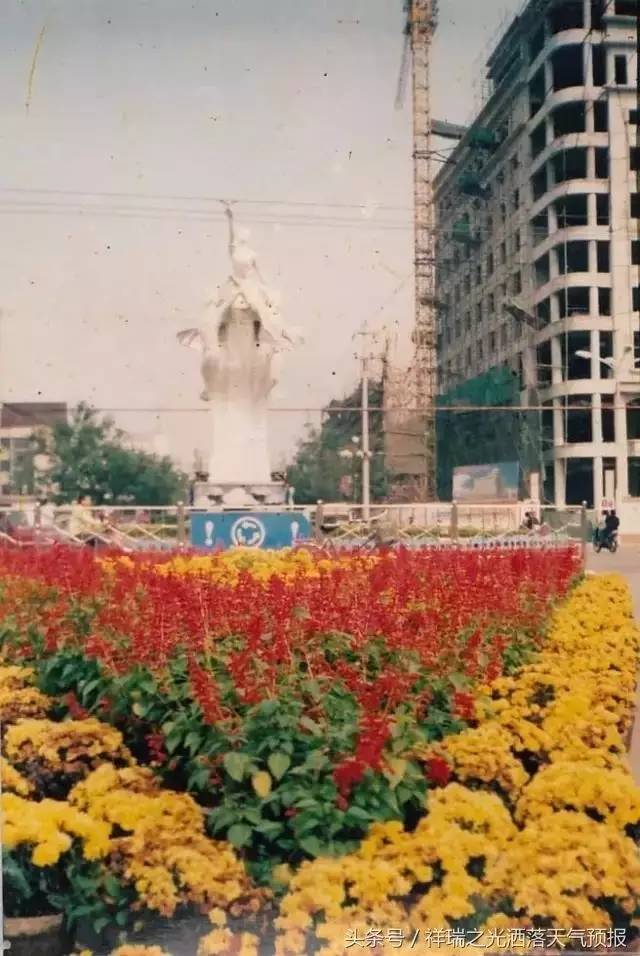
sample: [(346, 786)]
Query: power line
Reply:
[(205, 199), (42, 208), (339, 409)]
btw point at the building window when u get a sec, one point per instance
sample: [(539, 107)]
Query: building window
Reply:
[(480, 351), (620, 70), (572, 211), (602, 209), (503, 336), (542, 271), (570, 118), (635, 252), (602, 163), (539, 184), (490, 264), (599, 65), (492, 342), (538, 139), (491, 305), (540, 227), (537, 92), (634, 476), (568, 67), (570, 164), (568, 16), (516, 283), (467, 284), (634, 158), (635, 205), (517, 241), (467, 321), (543, 311), (572, 257), (602, 250), (634, 117), (604, 301), (479, 313), (600, 116), (503, 253), (468, 357), (515, 200), (597, 12), (635, 298), (578, 419), (636, 349)]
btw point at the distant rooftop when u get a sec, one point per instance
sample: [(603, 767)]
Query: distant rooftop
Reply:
[(33, 414)]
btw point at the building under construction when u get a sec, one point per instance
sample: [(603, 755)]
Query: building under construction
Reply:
[(538, 250)]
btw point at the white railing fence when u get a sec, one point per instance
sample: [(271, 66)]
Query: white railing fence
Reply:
[(339, 524)]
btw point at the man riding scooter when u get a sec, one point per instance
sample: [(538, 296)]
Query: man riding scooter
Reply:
[(607, 536)]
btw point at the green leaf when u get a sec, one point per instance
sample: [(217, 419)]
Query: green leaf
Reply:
[(112, 885), (193, 741), (239, 835), (278, 764), (173, 741), (236, 765), (312, 846), (270, 829), (310, 725)]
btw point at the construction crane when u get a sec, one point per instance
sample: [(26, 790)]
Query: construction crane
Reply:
[(421, 21)]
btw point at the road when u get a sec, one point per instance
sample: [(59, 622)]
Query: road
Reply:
[(627, 562)]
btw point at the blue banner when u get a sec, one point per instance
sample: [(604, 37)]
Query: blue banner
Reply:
[(248, 529)]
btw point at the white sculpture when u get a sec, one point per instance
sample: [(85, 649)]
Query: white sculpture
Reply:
[(240, 338)]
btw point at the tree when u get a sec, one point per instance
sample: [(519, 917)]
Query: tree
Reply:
[(318, 469), (89, 456)]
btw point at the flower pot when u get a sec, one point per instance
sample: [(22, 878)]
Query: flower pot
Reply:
[(36, 936)]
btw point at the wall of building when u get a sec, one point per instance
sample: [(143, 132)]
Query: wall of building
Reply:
[(551, 236)]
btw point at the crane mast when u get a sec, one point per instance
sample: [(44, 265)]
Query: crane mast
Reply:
[(421, 24)]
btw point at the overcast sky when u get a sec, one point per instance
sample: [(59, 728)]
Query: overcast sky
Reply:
[(122, 121)]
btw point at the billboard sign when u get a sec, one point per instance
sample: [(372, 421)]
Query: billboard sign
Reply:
[(248, 529), (487, 484)]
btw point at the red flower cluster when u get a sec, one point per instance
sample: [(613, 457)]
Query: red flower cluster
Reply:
[(370, 627)]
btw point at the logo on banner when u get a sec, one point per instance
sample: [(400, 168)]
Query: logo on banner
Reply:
[(248, 532)]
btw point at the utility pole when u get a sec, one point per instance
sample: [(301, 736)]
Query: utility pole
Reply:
[(365, 450)]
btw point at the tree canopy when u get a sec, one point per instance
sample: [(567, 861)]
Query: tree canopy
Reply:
[(318, 470), (89, 456)]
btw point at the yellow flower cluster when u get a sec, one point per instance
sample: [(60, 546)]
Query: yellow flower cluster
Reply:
[(50, 827), (27, 702), (72, 747), (534, 840), (132, 950), (164, 851), (12, 781), (19, 700), (222, 942), (397, 878), (14, 677), (226, 567)]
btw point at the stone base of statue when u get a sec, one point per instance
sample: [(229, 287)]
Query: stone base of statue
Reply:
[(207, 494)]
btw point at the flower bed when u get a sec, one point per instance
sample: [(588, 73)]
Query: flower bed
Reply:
[(282, 690), (491, 795)]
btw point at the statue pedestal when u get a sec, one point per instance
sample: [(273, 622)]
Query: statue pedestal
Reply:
[(208, 494)]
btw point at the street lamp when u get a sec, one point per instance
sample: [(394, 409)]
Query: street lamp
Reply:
[(358, 454)]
